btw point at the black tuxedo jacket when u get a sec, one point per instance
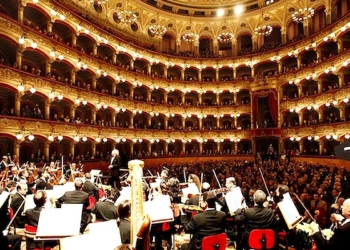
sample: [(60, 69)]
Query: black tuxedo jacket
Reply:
[(116, 165), (105, 210), (339, 240), (203, 224), (124, 228), (16, 202), (91, 189), (74, 197), (32, 216)]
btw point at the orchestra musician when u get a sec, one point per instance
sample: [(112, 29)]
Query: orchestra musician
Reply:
[(78, 196), (3, 163), (114, 166), (341, 235), (203, 224), (231, 187), (90, 187), (106, 210), (256, 217), (42, 183), (17, 204), (124, 212)]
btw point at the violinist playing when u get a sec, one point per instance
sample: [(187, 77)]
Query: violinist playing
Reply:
[(203, 224), (42, 183)]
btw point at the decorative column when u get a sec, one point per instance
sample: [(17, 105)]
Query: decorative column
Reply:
[(149, 95), (74, 40), (93, 114), (298, 62), (234, 48), (19, 57), (234, 73), (178, 45), (216, 47), (166, 149), (183, 147), (49, 25), (131, 63), (217, 121), (217, 98), (182, 74), (18, 105), (341, 78), (149, 148), (182, 97), (165, 97), (93, 82), (284, 35), (301, 147), (235, 97), (254, 42), (94, 49), (200, 74), (320, 147), (131, 96), (20, 16), (93, 149), (73, 74), (165, 72), (340, 44), (17, 147), (166, 119), (200, 122), (200, 147), (252, 71), (114, 57), (217, 74), (47, 109), (113, 118), (48, 66), (280, 65)]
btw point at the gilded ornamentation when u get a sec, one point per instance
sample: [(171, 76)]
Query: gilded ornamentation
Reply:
[(10, 123)]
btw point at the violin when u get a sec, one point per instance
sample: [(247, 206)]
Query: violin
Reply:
[(220, 190), (192, 208)]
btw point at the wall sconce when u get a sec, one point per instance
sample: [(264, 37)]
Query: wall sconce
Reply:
[(80, 102), (22, 90), (57, 139), (57, 98), (102, 107), (21, 136), (77, 139)]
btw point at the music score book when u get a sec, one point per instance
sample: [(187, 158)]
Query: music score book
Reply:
[(59, 222), (234, 199), (106, 230), (3, 197), (289, 211), (159, 209)]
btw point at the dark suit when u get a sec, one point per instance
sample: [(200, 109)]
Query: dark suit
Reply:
[(105, 210), (16, 202), (124, 228), (339, 240), (42, 185), (115, 162), (91, 189), (256, 217), (77, 197), (74, 197), (203, 224), (32, 216)]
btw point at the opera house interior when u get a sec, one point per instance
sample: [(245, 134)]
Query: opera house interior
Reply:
[(158, 79), (169, 82)]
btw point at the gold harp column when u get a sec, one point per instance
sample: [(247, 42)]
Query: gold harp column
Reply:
[(137, 211)]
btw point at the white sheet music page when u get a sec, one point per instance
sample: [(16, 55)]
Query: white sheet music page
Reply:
[(234, 199), (159, 209), (289, 211), (3, 197)]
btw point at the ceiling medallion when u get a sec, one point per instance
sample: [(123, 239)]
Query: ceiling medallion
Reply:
[(225, 37), (157, 30), (126, 16), (263, 30), (190, 37), (303, 14)]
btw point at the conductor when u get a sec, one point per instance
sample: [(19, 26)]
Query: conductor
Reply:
[(114, 166)]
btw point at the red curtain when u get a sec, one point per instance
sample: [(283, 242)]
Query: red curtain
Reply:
[(272, 97)]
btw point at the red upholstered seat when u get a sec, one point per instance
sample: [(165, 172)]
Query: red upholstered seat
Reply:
[(214, 242), (261, 239), (92, 202)]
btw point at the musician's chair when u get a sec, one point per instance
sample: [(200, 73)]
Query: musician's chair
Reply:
[(261, 239), (30, 232), (214, 242)]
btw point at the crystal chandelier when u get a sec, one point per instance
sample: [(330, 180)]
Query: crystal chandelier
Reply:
[(263, 30), (190, 37), (303, 14), (98, 2), (127, 16), (157, 30), (225, 37)]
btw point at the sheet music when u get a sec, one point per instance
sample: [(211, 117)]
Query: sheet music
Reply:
[(159, 209), (94, 173), (106, 230), (191, 189), (234, 199), (53, 223), (289, 211), (125, 194), (3, 197)]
